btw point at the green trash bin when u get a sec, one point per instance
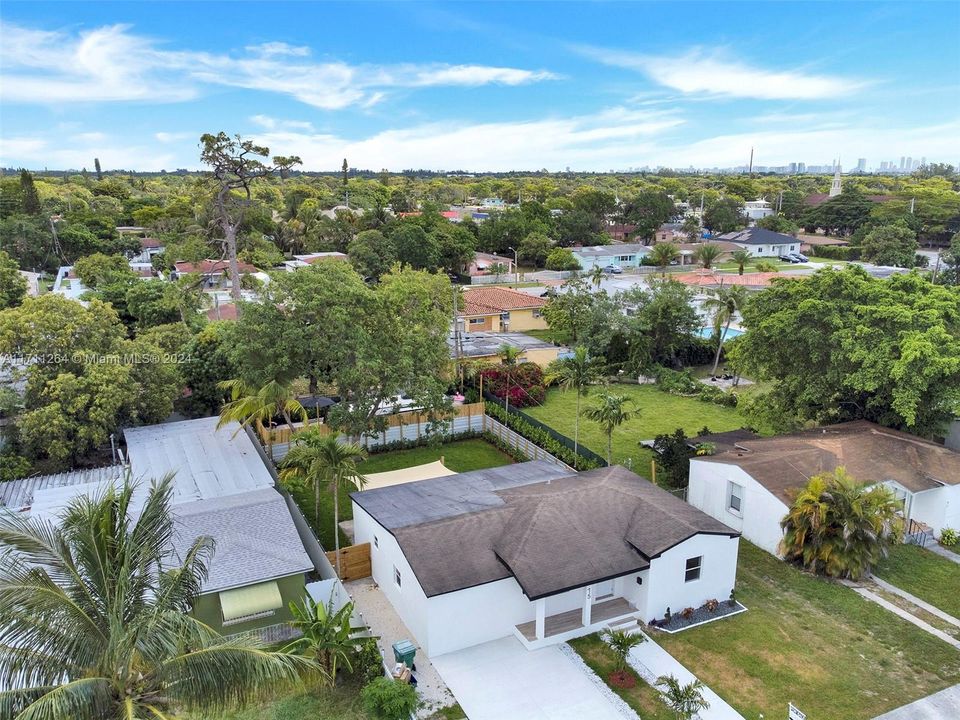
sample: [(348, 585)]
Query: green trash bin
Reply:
[(404, 652)]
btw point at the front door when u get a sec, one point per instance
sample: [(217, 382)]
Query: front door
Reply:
[(603, 591)]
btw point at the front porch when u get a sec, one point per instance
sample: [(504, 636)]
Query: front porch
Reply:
[(573, 623)]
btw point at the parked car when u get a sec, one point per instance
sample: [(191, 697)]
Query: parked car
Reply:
[(789, 259), (799, 256), (613, 269)]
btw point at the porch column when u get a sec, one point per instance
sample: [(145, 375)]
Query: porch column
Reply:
[(587, 605), (541, 607)]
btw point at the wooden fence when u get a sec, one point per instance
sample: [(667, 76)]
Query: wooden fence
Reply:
[(354, 562)]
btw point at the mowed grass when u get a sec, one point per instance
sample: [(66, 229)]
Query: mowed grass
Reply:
[(814, 643), (460, 456), (341, 703), (660, 413), (643, 698), (924, 574)]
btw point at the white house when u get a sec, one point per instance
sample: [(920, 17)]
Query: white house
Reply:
[(763, 243), (749, 485), (535, 551), (622, 254), (757, 209)]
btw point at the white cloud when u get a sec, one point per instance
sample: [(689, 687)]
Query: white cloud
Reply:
[(270, 123), (111, 63), (35, 152), (715, 74)]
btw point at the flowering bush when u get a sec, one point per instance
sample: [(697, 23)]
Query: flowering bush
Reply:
[(522, 383)]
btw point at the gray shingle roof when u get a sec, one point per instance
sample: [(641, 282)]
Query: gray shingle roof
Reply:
[(758, 236), (552, 533), (254, 536)]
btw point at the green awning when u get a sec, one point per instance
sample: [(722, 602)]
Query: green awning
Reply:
[(250, 600)]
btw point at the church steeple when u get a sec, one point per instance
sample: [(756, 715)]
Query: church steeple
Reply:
[(836, 188)]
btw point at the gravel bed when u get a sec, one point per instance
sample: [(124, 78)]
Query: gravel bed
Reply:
[(700, 616)]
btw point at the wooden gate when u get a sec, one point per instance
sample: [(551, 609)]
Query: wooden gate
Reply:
[(354, 562)]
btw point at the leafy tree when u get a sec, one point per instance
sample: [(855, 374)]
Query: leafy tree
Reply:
[(29, 198), (950, 275), (13, 285), (535, 248), (840, 215), (610, 412), (741, 258), (371, 254), (29, 242), (663, 322), (455, 246), (648, 210), (724, 303), (97, 270), (578, 227), (328, 635), (840, 527), (95, 619), (207, 363), (778, 223), (706, 254), (691, 228), (414, 247), (576, 372), (673, 458), (890, 245), (387, 699), (318, 460), (685, 700), (841, 345), (724, 215), (234, 168), (561, 259), (621, 642), (663, 254)]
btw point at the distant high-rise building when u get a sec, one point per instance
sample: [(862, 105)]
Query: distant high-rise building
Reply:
[(801, 167), (884, 166), (862, 164), (909, 166), (903, 163), (923, 161)]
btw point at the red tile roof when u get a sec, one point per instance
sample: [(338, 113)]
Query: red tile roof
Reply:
[(227, 311), (495, 300), (212, 267), (146, 243)]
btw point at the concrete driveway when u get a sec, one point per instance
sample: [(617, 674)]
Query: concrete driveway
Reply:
[(502, 680), (939, 706)]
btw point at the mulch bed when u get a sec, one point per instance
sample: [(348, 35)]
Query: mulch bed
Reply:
[(700, 615)]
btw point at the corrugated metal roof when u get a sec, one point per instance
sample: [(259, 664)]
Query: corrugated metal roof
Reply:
[(19, 495)]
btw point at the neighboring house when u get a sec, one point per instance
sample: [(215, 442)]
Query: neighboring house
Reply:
[(809, 243), (620, 232), (749, 486), (500, 309), (757, 209), (302, 261), (68, 284), (479, 216), (222, 311), (33, 282), (762, 243), (669, 232), (623, 254), (493, 202), (952, 439), (482, 262), (452, 215), (221, 489), (214, 273), (542, 554), (688, 250), (148, 248), (487, 345)]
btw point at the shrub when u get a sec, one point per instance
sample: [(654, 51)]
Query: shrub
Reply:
[(712, 605), (949, 537), (683, 383), (368, 663), (523, 383), (687, 613), (835, 252), (387, 699)]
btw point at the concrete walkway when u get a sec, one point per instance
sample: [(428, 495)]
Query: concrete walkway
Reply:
[(933, 610), (943, 552), (939, 706), (873, 597), (651, 661)]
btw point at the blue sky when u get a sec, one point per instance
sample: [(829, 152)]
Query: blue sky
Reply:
[(480, 86)]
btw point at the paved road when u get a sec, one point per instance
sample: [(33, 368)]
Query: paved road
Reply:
[(944, 705)]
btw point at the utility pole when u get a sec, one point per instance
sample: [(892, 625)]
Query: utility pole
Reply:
[(913, 202), (751, 162)]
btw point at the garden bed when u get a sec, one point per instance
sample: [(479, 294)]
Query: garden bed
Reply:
[(700, 616)]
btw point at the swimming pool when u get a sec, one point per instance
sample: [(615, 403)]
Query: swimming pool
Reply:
[(707, 332)]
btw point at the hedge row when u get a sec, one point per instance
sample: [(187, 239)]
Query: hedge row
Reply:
[(541, 438), (835, 252)]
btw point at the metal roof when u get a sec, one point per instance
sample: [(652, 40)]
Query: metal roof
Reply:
[(19, 495), (611, 250), (485, 344)]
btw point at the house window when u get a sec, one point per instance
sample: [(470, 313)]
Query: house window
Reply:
[(735, 498), (396, 576), (538, 313), (477, 321), (693, 569), (376, 541), (505, 317)]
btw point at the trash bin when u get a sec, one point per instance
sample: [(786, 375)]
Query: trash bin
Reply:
[(404, 652)]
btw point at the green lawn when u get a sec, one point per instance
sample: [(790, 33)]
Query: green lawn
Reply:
[(659, 413), (343, 703), (548, 335), (459, 456), (643, 698), (814, 643), (924, 574)]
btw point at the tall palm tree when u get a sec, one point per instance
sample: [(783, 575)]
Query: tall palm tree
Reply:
[(577, 372), (724, 303), (596, 276), (839, 527), (610, 412), (317, 460), (621, 643), (328, 636), (741, 258), (707, 254), (259, 406), (95, 619), (685, 700), (509, 355), (662, 254)]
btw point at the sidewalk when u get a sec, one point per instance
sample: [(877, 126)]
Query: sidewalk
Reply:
[(943, 552), (651, 661), (939, 706)]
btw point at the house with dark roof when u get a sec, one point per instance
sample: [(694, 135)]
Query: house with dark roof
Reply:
[(499, 309), (761, 242), (536, 551), (750, 483)]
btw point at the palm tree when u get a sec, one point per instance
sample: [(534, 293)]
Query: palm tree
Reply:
[(596, 276), (724, 302), (621, 643), (508, 357), (328, 637), (576, 372), (707, 254), (840, 527), (95, 618), (316, 460), (685, 700), (741, 258), (260, 406), (662, 254), (610, 412)]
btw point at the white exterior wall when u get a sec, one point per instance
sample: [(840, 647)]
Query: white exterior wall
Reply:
[(761, 511), (938, 508), (770, 250), (668, 587)]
